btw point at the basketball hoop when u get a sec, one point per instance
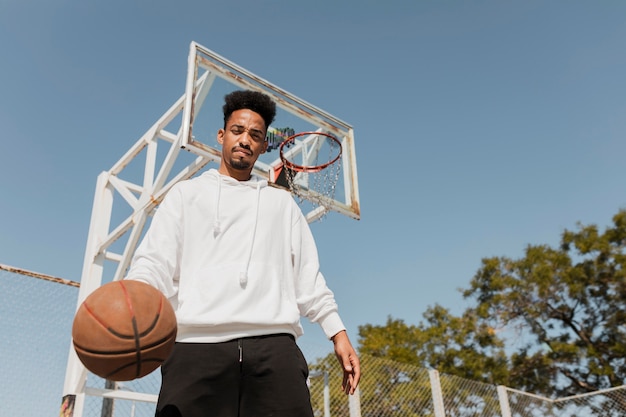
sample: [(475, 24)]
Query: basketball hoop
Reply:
[(314, 179)]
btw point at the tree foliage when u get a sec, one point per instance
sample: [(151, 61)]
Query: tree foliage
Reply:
[(552, 322), (454, 345)]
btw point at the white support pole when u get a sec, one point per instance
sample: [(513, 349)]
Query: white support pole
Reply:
[(100, 237), (435, 388), (91, 278), (503, 397), (326, 396), (354, 403)]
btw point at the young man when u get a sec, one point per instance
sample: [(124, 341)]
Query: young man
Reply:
[(238, 262)]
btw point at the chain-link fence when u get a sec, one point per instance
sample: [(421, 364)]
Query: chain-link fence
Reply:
[(35, 321), (604, 403), (36, 316)]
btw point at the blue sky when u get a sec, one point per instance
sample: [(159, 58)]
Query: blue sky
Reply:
[(481, 126)]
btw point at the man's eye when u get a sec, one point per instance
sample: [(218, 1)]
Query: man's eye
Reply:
[(257, 135)]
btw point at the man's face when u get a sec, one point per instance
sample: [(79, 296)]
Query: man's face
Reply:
[(243, 140)]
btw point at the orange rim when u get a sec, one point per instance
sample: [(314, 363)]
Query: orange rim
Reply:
[(308, 168)]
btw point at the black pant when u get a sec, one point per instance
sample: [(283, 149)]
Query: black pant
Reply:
[(249, 377)]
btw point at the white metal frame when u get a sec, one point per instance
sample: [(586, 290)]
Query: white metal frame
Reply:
[(205, 66), (142, 198)]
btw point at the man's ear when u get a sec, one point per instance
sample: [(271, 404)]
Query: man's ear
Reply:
[(220, 136), (264, 147)]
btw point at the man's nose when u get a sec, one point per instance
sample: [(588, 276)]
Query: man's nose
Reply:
[(245, 139)]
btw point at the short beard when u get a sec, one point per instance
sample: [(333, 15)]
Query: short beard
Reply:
[(239, 164)]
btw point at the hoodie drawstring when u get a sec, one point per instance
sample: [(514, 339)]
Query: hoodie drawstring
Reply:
[(216, 222), (243, 275), (217, 229)]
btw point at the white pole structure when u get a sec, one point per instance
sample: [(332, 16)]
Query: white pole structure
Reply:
[(326, 395), (142, 197), (503, 398), (435, 388), (354, 403)]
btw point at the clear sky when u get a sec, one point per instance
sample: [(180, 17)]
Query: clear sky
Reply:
[(481, 126)]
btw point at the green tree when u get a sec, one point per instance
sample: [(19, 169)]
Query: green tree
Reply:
[(395, 357), (552, 322), (459, 346), (392, 384), (567, 304)]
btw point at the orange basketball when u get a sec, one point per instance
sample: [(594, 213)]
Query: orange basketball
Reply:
[(124, 330)]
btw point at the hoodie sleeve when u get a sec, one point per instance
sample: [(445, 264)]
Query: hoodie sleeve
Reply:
[(157, 259), (315, 300)]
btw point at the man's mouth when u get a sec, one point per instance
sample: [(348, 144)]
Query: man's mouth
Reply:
[(242, 151)]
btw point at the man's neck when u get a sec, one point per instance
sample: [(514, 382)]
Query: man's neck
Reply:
[(238, 174)]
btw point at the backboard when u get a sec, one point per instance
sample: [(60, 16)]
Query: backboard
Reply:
[(210, 77)]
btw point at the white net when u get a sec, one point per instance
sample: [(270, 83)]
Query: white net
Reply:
[(36, 320), (315, 175)]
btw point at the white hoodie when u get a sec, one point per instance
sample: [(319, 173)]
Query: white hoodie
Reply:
[(236, 259)]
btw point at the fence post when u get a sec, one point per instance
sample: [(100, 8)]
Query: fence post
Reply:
[(354, 403), (503, 397), (435, 388), (326, 395)]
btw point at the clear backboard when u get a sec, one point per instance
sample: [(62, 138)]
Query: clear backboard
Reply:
[(210, 77)]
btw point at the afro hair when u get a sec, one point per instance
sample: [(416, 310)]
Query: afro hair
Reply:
[(250, 100)]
